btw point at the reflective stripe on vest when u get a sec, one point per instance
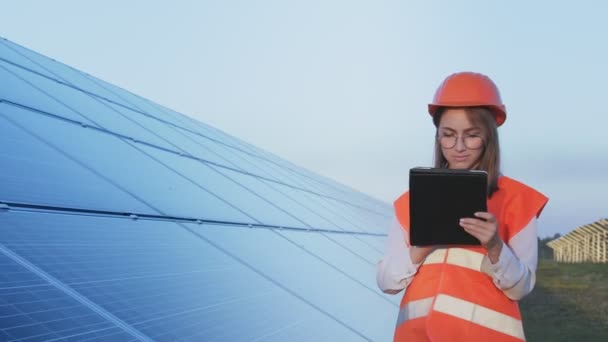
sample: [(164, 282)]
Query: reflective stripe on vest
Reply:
[(436, 257), (415, 309), (479, 315), (456, 256), (465, 310)]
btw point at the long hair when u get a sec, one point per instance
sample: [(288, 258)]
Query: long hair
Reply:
[(489, 160)]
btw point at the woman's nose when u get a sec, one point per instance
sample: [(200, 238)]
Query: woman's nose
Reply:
[(460, 144)]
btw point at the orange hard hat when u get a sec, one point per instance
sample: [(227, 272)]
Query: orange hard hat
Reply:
[(468, 89)]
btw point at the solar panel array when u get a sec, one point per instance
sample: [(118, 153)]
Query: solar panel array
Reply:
[(123, 220)]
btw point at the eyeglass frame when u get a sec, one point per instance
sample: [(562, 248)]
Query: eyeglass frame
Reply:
[(463, 138)]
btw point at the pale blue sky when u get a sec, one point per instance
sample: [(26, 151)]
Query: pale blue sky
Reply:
[(341, 87)]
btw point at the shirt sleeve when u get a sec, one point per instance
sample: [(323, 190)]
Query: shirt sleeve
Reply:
[(515, 271), (395, 270)]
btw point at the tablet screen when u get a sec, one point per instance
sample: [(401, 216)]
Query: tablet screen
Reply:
[(439, 198)]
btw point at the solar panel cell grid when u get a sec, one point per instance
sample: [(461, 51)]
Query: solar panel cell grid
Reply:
[(150, 275), (9, 52), (79, 155)]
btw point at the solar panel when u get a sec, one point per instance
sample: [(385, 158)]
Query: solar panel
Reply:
[(123, 220)]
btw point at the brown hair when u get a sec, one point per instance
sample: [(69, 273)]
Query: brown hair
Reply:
[(489, 160)]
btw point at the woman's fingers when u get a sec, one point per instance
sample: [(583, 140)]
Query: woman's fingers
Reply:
[(483, 228), (472, 222), (477, 229), (488, 217), (483, 235), (417, 254)]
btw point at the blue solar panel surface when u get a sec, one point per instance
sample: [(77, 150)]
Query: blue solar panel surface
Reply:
[(123, 220)]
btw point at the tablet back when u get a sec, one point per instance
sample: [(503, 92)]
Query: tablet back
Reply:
[(439, 198)]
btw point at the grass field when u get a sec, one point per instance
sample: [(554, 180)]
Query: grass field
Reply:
[(569, 303)]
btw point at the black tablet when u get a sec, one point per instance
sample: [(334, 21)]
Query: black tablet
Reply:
[(439, 198)]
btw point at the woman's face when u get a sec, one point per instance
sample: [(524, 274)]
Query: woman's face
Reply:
[(461, 142)]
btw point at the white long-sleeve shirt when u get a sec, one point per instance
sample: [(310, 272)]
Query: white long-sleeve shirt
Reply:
[(514, 273)]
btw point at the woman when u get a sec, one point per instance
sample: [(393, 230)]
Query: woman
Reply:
[(460, 293)]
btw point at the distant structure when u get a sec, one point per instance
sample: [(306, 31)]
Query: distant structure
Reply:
[(588, 243)]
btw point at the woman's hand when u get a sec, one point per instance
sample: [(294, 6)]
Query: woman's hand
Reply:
[(418, 253), (485, 229)]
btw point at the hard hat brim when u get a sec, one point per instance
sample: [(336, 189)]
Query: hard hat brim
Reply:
[(500, 115)]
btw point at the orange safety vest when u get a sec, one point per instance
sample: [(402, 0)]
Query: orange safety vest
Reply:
[(450, 299)]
